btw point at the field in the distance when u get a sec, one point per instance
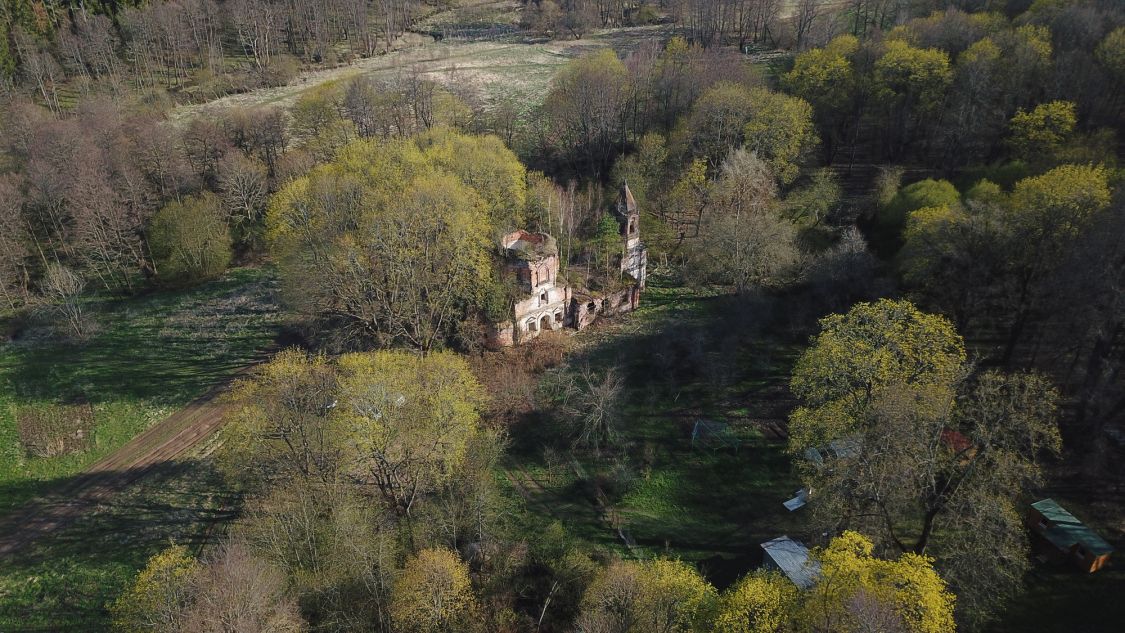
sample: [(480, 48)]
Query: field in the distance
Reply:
[(512, 67)]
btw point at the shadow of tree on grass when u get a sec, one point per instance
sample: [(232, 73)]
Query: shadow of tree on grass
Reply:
[(64, 580)]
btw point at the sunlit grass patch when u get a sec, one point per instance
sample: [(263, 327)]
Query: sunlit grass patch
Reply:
[(151, 355)]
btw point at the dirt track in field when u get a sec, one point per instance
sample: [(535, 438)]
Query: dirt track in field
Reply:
[(158, 447)]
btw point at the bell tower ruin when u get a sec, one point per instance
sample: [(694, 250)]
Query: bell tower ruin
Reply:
[(634, 256)]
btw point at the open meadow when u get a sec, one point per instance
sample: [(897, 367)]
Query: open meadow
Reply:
[(146, 357)]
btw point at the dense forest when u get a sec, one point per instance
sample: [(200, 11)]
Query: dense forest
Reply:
[(886, 251)]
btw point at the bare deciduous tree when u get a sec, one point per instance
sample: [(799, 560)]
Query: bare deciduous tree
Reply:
[(258, 25), (62, 288), (238, 592), (591, 401), (244, 182), (13, 243)]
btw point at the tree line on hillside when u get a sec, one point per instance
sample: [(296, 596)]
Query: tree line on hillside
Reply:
[(711, 23), (212, 47), (120, 199), (935, 91)]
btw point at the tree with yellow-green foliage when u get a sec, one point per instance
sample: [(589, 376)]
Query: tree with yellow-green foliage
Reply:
[(717, 121), (396, 424), (949, 258), (279, 428), (1039, 134), (586, 108), (404, 422), (1045, 216), (433, 594), (675, 597), (826, 79), (1057, 205), (1111, 53), (978, 116), (891, 218), (900, 443), (690, 196), (761, 602), (643, 170), (825, 76), (390, 242), (158, 596), (910, 86), (488, 167), (996, 257), (1026, 52), (856, 355), (856, 590), (780, 130), (318, 122), (190, 240), (778, 127), (639, 597)]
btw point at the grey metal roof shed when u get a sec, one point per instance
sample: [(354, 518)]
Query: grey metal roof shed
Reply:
[(791, 558)]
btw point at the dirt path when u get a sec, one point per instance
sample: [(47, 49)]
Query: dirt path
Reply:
[(175, 437)]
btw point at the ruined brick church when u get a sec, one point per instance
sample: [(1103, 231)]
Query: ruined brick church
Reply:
[(548, 303)]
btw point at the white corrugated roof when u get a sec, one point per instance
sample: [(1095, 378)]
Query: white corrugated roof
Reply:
[(792, 558)]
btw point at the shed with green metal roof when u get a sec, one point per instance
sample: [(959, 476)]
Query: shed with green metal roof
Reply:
[(1066, 538)]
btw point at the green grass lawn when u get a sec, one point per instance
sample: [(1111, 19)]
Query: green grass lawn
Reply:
[(66, 580), (149, 356)]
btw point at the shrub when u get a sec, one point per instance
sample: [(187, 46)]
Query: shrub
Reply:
[(281, 70), (190, 241), (892, 217)]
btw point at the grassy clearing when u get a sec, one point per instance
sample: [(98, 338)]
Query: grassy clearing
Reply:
[(151, 355), (512, 67), (67, 579), (659, 496)]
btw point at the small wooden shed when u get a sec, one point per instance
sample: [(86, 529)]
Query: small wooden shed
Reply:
[(1066, 539)]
